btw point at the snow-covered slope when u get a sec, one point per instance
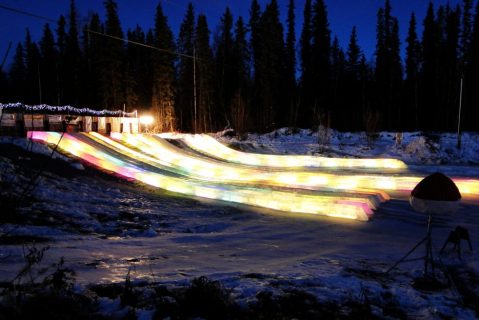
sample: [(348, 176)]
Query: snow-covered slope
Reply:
[(104, 227)]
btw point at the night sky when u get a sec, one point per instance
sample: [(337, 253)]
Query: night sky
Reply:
[(343, 15)]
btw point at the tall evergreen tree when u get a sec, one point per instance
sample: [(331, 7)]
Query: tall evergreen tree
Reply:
[(207, 115), (163, 93), (466, 34), (305, 118), (270, 68), (72, 59), (321, 66), (388, 69), (139, 70), (17, 76), (352, 86), (368, 115), (60, 67), (255, 45), (93, 59), (33, 77), (132, 66), (430, 64), (396, 77), (224, 63), (449, 86), (185, 104), (413, 54), (49, 56), (353, 55), (290, 115), (113, 68), (472, 109), (239, 108), (338, 72)]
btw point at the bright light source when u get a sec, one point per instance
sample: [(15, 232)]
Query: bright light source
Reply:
[(146, 120)]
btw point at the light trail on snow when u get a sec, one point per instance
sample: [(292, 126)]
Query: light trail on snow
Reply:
[(205, 144), (156, 162), (355, 182), (295, 202)]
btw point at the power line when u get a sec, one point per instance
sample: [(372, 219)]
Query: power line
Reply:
[(143, 45), (26, 13)]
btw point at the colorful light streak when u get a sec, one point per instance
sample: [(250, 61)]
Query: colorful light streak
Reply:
[(214, 179), (165, 156), (267, 198), (207, 145), (372, 183)]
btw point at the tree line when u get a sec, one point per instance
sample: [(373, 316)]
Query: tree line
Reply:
[(254, 75)]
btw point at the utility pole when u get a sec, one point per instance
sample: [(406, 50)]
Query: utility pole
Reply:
[(459, 115)]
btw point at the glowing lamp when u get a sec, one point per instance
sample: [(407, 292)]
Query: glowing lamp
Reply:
[(147, 120)]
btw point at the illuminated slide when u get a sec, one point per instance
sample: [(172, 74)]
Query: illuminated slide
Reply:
[(207, 145), (262, 197), (229, 172), (165, 156), (158, 163)]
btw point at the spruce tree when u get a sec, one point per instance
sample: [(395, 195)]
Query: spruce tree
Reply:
[(338, 108), (472, 109), (305, 118), (450, 82), (413, 53), (388, 71), (466, 34), (163, 93), (112, 71), (132, 65), (352, 83), (255, 45), (33, 77), (368, 117), (270, 68), (139, 70), (430, 64), (49, 56), (72, 59), (61, 67), (207, 115), (17, 76), (321, 66), (239, 108), (224, 63), (93, 60), (353, 55), (185, 104), (290, 114), (395, 113)]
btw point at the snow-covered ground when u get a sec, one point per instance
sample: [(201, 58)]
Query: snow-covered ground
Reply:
[(104, 226)]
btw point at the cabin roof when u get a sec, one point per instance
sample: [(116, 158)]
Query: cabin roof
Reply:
[(64, 110)]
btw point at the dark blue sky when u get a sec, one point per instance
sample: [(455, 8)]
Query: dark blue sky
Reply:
[(343, 15)]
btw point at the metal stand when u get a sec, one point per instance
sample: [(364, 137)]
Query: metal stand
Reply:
[(429, 270)]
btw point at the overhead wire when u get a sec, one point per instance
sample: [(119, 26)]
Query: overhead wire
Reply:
[(26, 13), (23, 12)]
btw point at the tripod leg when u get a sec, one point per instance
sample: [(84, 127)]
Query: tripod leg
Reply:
[(429, 259), (407, 254)]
